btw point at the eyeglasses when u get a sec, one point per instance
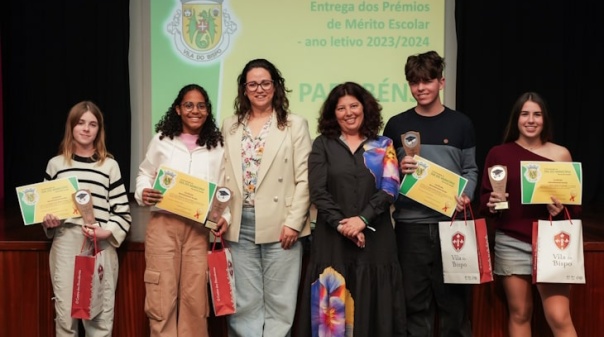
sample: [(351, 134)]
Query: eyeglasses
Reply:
[(201, 106), (253, 86)]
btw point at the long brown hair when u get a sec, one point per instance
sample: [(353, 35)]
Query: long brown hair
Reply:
[(511, 130), (67, 147)]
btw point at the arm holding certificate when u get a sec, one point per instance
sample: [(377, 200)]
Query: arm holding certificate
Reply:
[(448, 140), (177, 180), (84, 180), (434, 186), (49, 197)]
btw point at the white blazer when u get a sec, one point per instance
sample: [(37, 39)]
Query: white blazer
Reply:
[(282, 197)]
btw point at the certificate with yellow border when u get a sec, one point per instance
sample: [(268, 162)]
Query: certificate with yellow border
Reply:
[(433, 186), (184, 194), (49, 197), (540, 180)]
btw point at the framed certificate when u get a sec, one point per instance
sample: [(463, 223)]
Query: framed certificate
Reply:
[(184, 194), (433, 186), (49, 197), (540, 180)]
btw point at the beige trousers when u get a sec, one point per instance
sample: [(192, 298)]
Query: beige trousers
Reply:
[(176, 276), (66, 244)]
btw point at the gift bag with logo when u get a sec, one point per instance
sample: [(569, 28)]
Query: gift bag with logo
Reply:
[(222, 279), (87, 296), (558, 251), (465, 251)]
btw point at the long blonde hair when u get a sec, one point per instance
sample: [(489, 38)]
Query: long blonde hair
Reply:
[(67, 147)]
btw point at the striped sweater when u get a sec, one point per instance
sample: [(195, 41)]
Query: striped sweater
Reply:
[(109, 195)]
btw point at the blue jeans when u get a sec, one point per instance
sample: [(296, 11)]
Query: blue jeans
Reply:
[(425, 292), (266, 284)]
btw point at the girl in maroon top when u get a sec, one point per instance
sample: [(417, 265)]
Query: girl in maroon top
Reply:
[(527, 137)]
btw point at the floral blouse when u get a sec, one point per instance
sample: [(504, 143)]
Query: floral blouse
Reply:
[(251, 152)]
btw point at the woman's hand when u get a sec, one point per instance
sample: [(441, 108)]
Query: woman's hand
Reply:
[(358, 239), (495, 198), (350, 227), (288, 237), (151, 196)]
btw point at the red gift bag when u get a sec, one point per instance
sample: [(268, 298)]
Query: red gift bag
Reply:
[(87, 296), (222, 279), (465, 251), (558, 251)]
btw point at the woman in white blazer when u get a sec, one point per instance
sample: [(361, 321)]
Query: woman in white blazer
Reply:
[(266, 153)]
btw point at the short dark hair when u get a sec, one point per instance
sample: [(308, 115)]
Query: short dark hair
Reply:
[(424, 67)]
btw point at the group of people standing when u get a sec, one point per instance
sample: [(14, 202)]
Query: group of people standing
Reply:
[(375, 266)]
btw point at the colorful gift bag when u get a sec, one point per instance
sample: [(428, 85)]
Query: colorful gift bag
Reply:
[(465, 251)]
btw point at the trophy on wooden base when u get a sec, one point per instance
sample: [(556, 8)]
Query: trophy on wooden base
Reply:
[(83, 201), (221, 200), (411, 143), (498, 176)]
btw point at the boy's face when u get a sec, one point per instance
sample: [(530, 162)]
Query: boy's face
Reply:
[(427, 92)]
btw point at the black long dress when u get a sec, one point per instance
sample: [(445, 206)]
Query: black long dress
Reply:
[(342, 186)]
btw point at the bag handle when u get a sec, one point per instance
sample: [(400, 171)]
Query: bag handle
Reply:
[(465, 216), (96, 249), (566, 217), (223, 242)]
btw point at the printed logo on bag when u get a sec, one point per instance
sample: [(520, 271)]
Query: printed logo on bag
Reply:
[(458, 241), (101, 271), (230, 268), (562, 240)]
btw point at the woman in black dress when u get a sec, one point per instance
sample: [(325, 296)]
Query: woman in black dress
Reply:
[(353, 282)]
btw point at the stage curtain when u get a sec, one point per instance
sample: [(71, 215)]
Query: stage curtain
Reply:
[(554, 48), (55, 54)]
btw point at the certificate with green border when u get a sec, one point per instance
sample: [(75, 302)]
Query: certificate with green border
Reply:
[(184, 194), (433, 186), (49, 197), (540, 180)]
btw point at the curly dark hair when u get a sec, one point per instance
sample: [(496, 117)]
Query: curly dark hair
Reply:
[(280, 102), (372, 117), (170, 125)]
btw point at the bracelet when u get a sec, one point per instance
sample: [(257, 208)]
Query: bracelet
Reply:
[(366, 223)]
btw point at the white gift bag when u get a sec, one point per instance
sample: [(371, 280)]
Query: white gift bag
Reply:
[(558, 251)]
